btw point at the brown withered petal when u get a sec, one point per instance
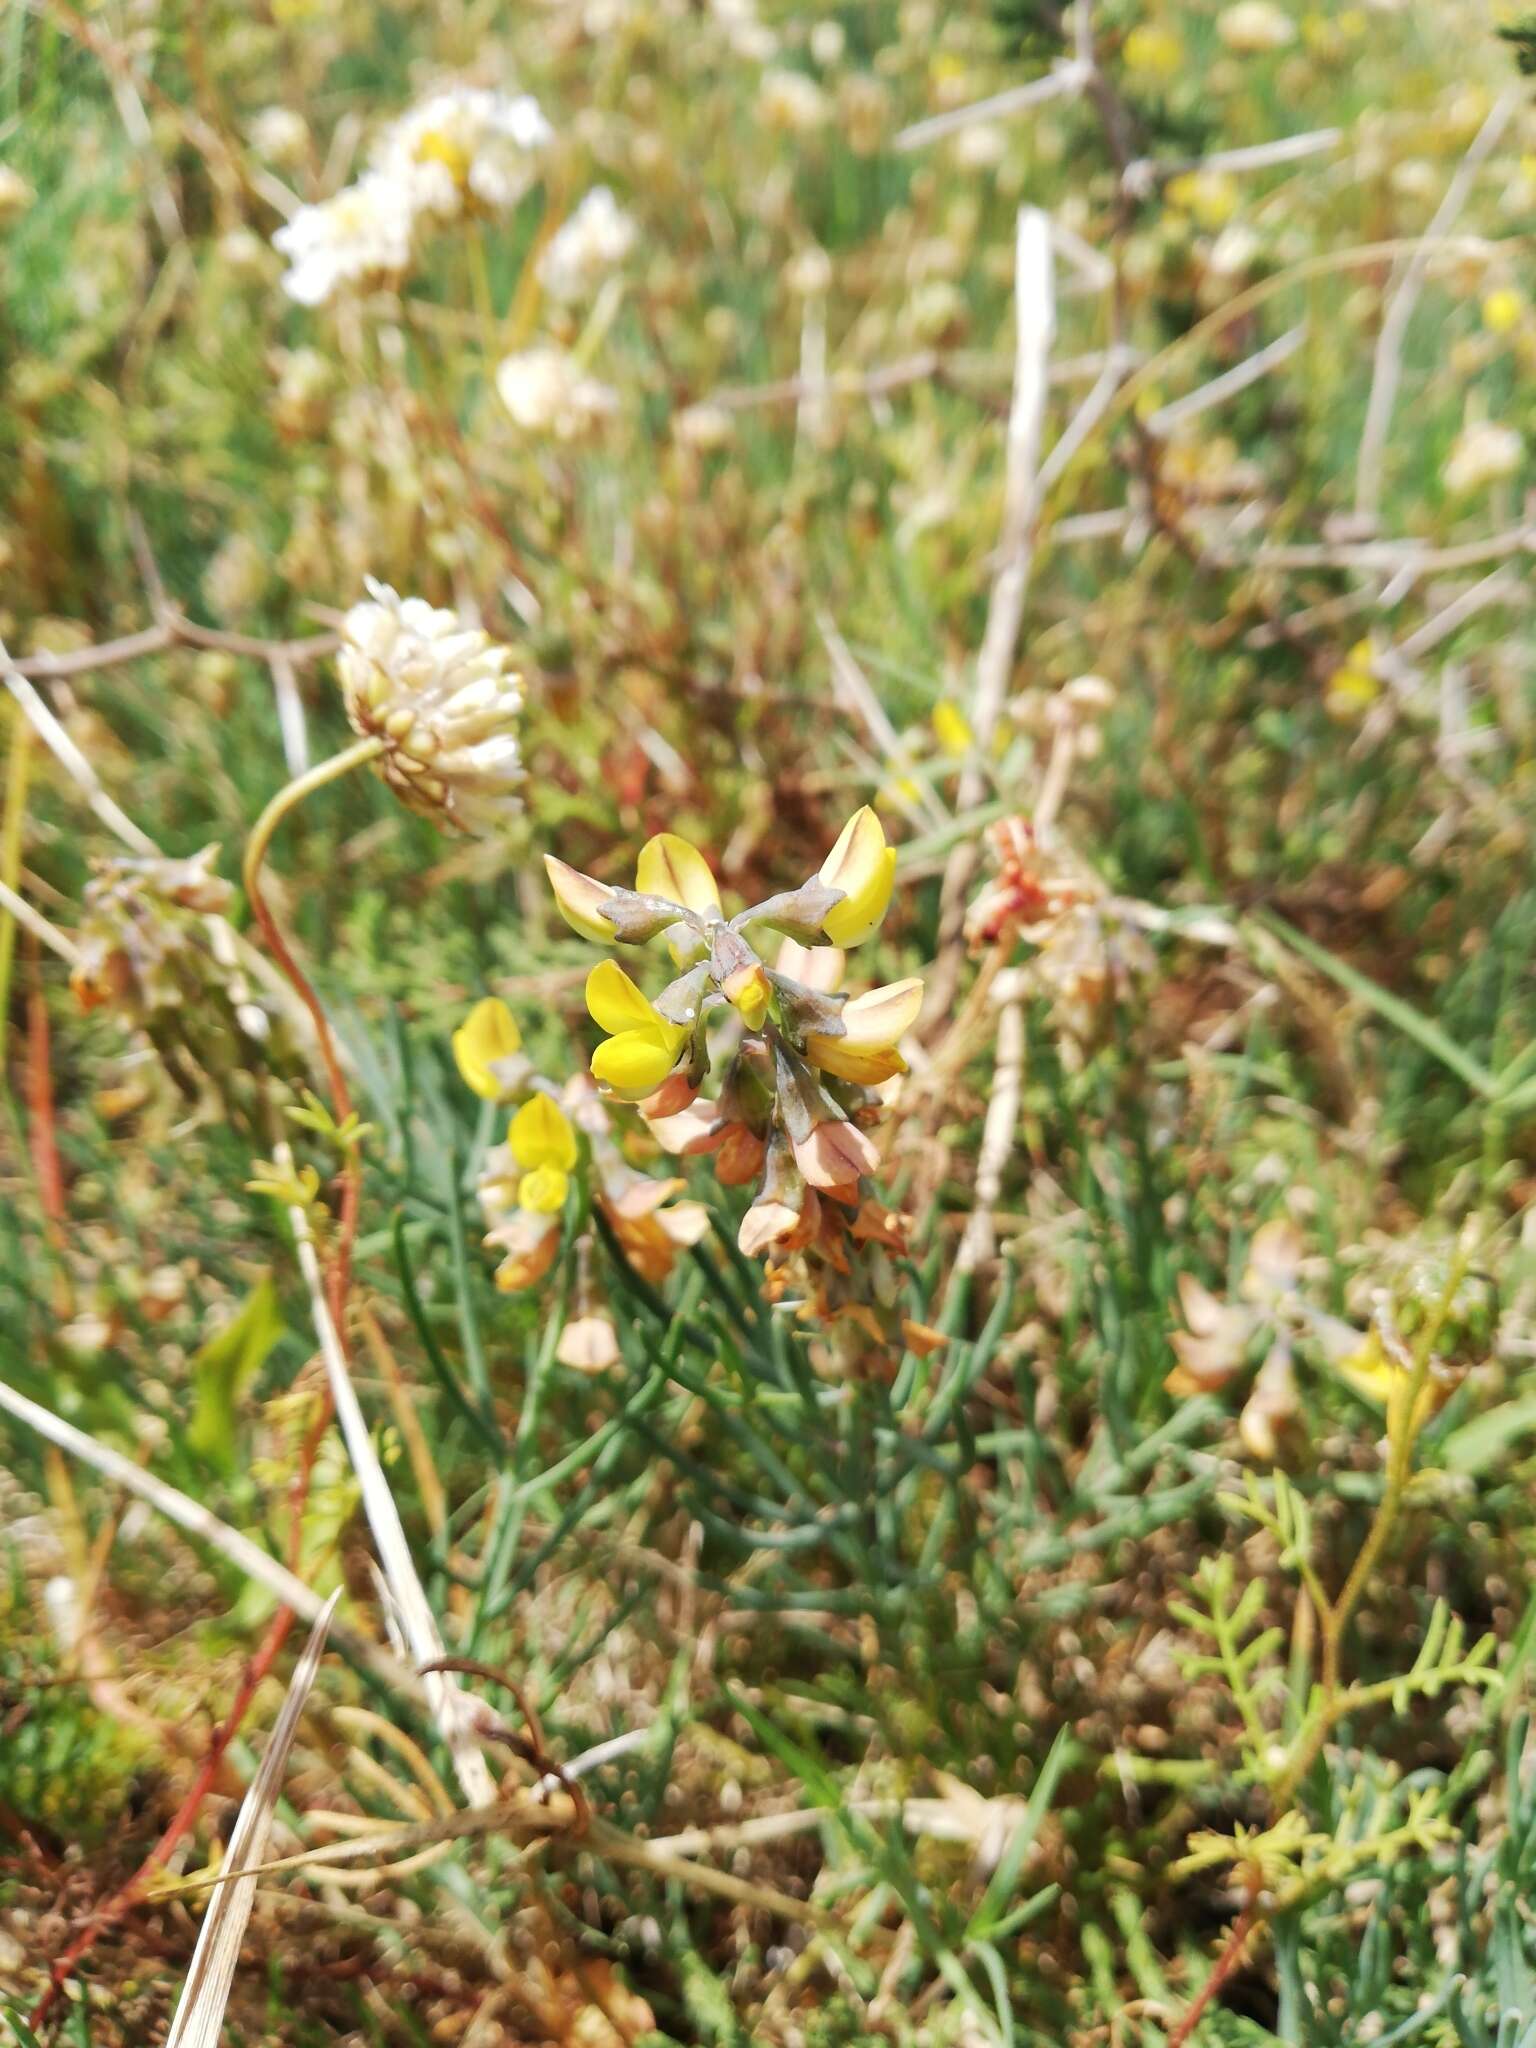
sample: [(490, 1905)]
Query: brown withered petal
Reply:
[(739, 1159)]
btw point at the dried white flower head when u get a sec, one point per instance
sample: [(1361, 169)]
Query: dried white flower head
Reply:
[(361, 235), (704, 426), (281, 135), (465, 147), (596, 239), (546, 391), (1484, 453), (1255, 27), (16, 195), (792, 103), (443, 697)]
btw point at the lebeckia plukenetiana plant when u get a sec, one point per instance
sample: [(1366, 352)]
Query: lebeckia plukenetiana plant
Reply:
[(796, 1098)]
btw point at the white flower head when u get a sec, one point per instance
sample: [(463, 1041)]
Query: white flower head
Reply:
[(362, 234), (1482, 454), (1255, 27), (596, 239), (443, 697), (546, 391), (465, 147), (792, 102), (281, 135), (16, 195)]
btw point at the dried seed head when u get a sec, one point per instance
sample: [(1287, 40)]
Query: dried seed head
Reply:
[(444, 699)]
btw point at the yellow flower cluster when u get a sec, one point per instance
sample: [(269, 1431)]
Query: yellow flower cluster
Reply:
[(795, 1097)]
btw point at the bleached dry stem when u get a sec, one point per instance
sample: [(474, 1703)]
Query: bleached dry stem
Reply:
[(997, 1135), (1387, 369), (418, 1623), (70, 758), (199, 2020), (1035, 326), (1069, 77), (34, 922)]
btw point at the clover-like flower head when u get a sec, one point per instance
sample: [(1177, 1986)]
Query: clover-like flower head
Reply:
[(443, 698), (795, 1098)]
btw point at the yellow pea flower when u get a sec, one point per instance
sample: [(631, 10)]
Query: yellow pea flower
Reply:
[(873, 1025), (863, 867), (543, 1144), (488, 1034), (1502, 310), (951, 728), (643, 1047), (1154, 51), (671, 867)]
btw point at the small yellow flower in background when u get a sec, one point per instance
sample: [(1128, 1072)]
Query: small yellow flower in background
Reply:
[(544, 1146), (863, 867), (1209, 197), (1503, 310), (1153, 50), (1353, 687), (486, 1047), (952, 729), (643, 1046)]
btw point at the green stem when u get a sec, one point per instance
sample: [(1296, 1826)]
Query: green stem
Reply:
[(286, 800)]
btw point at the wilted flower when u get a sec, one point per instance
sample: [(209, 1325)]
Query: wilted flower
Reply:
[(360, 236), (142, 944), (281, 135), (596, 239), (795, 1093), (444, 699), (1484, 453), (1035, 885), (16, 195), (466, 147), (546, 391), (704, 426), (1255, 27), (791, 102)]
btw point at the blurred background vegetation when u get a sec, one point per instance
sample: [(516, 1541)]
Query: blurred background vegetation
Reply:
[(972, 1662)]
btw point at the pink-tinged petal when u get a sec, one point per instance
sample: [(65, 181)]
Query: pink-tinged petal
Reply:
[(685, 1222), (834, 1154), (589, 1344), (641, 1195), (818, 967), (699, 1128)]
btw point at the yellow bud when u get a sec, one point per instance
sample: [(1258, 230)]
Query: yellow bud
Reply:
[(748, 991), (863, 867), (580, 900), (488, 1033)]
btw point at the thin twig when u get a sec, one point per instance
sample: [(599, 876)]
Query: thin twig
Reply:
[(1229, 383), (1387, 369), (1068, 77)]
